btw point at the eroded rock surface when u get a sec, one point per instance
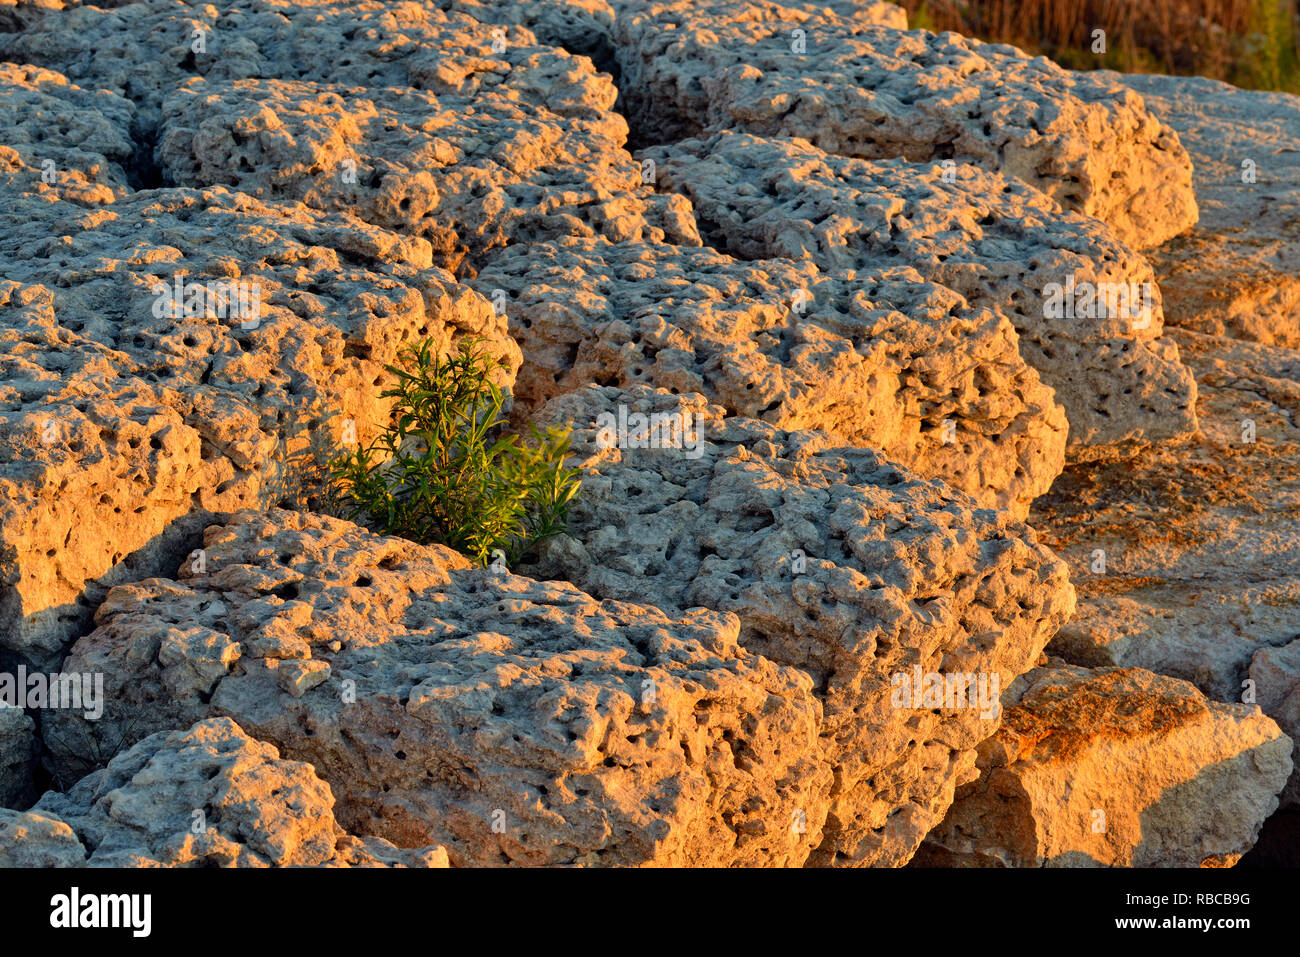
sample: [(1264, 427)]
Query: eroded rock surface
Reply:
[(144, 51), (593, 732), (468, 173), (883, 360), (1185, 556), (864, 90), (123, 411), (838, 563), (1236, 273), (1115, 767), (1000, 244), (58, 128), (210, 796)]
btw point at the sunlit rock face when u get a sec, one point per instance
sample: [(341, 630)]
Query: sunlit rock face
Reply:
[(596, 732), (468, 173), (179, 354), (871, 91), (1115, 767), (837, 562), (881, 359), (999, 243), (209, 796)]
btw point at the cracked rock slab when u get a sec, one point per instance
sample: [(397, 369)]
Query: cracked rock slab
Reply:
[(594, 732), (884, 360), (998, 243), (836, 562), (1115, 768), (863, 90), (210, 796), (119, 417)]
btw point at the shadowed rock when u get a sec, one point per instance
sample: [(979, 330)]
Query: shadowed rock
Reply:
[(17, 757)]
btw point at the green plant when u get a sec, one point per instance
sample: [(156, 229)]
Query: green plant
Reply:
[(446, 472)]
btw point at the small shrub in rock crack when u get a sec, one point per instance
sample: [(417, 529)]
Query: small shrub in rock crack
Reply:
[(446, 473)]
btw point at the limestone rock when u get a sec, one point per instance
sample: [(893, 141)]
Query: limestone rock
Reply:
[(144, 51), (836, 562), (118, 417), (1275, 672), (869, 91), (28, 839), (1000, 244), (579, 26), (1236, 273), (592, 732), (882, 359), (59, 128), (1178, 554), (210, 796), (1115, 767), (17, 757), (467, 173)]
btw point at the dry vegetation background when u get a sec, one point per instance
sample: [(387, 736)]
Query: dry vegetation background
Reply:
[(1250, 43)]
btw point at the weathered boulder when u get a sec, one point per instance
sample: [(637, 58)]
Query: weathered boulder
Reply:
[(467, 173), (210, 796), (17, 757), (511, 720), (838, 563), (1115, 767), (124, 407), (882, 359), (1000, 244), (864, 90), (1238, 272)]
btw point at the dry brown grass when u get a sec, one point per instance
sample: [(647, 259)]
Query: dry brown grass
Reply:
[(1252, 43)]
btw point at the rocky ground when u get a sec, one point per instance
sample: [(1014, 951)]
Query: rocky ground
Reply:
[(985, 552)]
